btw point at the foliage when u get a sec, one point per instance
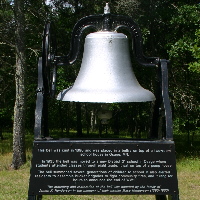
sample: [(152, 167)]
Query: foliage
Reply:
[(183, 51), (185, 35), (195, 49), (127, 7), (7, 60)]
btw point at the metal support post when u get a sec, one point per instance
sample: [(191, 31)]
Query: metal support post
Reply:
[(173, 197), (35, 197), (161, 197)]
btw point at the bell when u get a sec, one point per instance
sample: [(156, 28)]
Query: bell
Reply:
[(106, 74)]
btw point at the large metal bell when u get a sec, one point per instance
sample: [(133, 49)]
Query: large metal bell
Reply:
[(106, 74)]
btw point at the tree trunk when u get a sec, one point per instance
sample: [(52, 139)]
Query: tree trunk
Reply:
[(19, 155)]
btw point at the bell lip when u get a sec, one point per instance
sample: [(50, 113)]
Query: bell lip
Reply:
[(88, 97)]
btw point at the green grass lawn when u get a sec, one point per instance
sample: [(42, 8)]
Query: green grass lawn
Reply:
[(14, 183)]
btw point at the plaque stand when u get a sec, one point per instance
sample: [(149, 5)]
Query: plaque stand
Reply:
[(102, 166)]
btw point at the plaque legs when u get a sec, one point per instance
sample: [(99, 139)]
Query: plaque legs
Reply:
[(158, 197), (173, 197), (161, 197), (35, 197)]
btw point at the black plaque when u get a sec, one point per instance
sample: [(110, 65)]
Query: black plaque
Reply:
[(103, 167)]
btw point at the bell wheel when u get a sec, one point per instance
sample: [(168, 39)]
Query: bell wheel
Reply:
[(48, 59)]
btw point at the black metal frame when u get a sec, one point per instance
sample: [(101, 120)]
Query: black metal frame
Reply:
[(47, 66)]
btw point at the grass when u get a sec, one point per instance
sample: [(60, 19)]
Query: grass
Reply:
[(14, 183)]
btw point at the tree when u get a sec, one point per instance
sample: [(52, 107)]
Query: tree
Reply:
[(19, 155)]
